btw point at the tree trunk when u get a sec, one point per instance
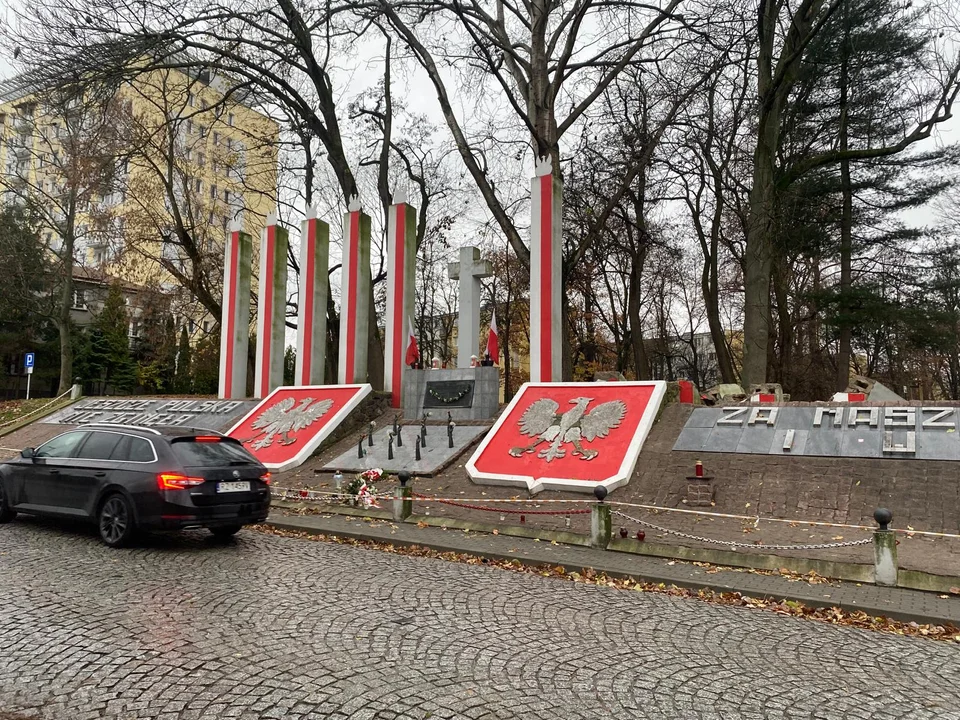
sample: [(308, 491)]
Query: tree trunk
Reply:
[(641, 363), (64, 321), (844, 351), (758, 255)]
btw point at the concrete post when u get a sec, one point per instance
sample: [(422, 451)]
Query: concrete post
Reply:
[(354, 295), (546, 277), (235, 320), (272, 309), (401, 281), (403, 503), (600, 521), (76, 390), (884, 550), (312, 319)]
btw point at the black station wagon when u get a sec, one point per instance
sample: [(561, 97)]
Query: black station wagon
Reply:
[(128, 478)]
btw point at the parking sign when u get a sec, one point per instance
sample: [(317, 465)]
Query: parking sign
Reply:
[(28, 360)]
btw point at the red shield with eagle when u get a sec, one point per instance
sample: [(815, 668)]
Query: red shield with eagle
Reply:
[(291, 422), (568, 436)]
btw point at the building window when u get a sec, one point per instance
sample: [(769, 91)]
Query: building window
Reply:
[(200, 159), (216, 138), (203, 131), (79, 301), (199, 185), (190, 123), (226, 195), (213, 192), (190, 99), (206, 326), (191, 326), (230, 119)]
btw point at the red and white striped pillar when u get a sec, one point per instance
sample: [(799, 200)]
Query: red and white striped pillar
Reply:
[(235, 313), (354, 295), (546, 262), (314, 283), (401, 280), (272, 309)]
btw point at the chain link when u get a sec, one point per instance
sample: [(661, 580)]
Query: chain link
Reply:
[(735, 544)]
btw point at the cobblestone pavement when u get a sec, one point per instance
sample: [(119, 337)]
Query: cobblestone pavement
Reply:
[(267, 627)]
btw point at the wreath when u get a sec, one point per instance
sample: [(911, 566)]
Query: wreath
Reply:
[(361, 491), (459, 396)]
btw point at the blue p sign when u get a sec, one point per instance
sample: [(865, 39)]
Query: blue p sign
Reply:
[(28, 360)]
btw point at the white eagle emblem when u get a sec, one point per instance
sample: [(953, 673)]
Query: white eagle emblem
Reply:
[(542, 422), (283, 419)]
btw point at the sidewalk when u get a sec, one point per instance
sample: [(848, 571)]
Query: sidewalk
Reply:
[(897, 603)]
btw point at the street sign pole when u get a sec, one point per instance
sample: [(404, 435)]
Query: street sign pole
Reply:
[(28, 360)]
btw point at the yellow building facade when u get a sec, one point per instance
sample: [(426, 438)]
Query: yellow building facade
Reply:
[(149, 175)]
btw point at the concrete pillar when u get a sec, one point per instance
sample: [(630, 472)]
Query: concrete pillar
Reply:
[(600, 526), (235, 313), (546, 277), (272, 308), (354, 295), (403, 504), (401, 283), (469, 271), (314, 286), (885, 557)]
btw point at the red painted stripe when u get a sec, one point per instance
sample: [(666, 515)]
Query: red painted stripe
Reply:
[(353, 244), (546, 278), (266, 307), (308, 296), (231, 293), (399, 279)]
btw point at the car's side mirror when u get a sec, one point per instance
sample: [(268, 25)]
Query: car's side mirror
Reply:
[(28, 453)]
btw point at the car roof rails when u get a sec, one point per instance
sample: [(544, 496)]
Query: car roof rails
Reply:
[(121, 425)]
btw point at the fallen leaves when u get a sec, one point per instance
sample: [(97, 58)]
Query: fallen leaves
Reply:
[(792, 608)]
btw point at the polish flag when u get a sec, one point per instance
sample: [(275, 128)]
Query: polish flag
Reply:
[(413, 352), (493, 341)]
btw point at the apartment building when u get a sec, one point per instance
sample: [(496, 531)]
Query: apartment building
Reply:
[(146, 177)]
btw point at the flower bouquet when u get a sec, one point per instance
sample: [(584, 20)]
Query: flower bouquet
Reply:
[(362, 488)]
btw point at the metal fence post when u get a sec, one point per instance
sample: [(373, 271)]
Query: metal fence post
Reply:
[(884, 550), (600, 522), (403, 503)]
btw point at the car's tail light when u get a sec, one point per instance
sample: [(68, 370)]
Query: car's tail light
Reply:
[(266, 477), (175, 481), (207, 438)]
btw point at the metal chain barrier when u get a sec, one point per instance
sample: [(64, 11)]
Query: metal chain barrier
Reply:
[(735, 544), (504, 511), (35, 411)]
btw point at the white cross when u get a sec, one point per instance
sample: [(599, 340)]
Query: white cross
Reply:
[(469, 271)]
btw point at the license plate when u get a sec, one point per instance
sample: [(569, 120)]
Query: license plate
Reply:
[(225, 487)]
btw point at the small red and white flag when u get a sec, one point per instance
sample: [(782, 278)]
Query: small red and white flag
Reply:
[(413, 352), (493, 340)]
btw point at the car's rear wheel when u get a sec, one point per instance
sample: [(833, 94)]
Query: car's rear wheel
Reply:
[(115, 521), (6, 514), (225, 532)]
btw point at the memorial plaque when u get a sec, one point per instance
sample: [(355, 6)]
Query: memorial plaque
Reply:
[(448, 394), (216, 415), (903, 431)]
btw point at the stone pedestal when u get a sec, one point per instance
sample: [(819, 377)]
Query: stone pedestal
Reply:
[(466, 393), (699, 491)]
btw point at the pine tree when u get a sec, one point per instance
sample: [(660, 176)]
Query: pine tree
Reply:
[(112, 323)]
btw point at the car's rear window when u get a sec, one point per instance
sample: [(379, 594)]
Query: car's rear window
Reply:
[(207, 453)]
